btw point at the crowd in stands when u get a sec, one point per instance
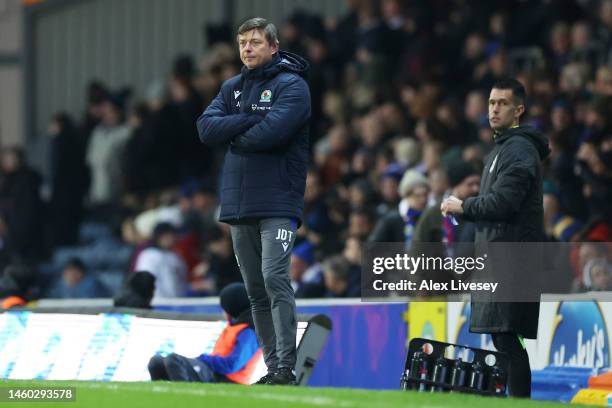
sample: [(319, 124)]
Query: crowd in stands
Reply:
[(399, 97)]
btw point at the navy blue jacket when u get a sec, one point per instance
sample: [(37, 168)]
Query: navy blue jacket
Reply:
[(262, 115)]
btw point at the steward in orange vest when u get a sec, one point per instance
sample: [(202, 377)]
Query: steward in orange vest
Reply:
[(234, 356)]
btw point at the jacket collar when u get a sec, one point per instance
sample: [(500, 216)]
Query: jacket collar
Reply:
[(264, 71), (500, 137)]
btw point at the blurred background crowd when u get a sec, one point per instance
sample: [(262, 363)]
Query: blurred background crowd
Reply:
[(399, 96)]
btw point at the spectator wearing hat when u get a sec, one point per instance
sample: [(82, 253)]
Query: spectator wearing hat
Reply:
[(566, 228), (302, 258), (597, 230), (464, 180), (168, 268), (399, 225), (316, 213), (389, 183), (305, 273), (234, 356)]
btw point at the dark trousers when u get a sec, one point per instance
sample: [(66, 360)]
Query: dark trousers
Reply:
[(519, 378), (263, 251), (175, 367)]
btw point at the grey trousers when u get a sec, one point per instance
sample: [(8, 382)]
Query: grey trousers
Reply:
[(263, 251)]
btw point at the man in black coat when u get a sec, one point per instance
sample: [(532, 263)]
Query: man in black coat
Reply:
[(508, 209), (20, 206), (262, 115)]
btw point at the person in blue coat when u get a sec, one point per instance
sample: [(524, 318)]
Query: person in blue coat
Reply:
[(262, 116)]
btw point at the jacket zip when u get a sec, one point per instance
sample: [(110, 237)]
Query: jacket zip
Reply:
[(244, 96), (241, 187)]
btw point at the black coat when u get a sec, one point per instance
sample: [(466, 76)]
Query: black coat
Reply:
[(262, 116), (69, 184), (390, 228), (509, 209), (21, 210)]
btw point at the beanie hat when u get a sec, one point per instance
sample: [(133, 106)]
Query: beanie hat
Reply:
[(411, 180), (234, 299), (600, 232), (565, 227), (458, 171), (305, 251), (395, 171)]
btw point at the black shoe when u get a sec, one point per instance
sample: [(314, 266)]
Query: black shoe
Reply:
[(266, 378), (284, 376)]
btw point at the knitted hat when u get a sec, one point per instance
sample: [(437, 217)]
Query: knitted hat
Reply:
[(565, 227), (600, 232), (459, 170), (234, 299), (395, 171), (410, 181), (305, 251)]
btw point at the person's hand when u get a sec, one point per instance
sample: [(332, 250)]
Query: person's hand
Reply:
[(201, 270), (451, 205)]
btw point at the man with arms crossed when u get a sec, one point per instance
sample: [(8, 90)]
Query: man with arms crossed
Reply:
[(508, 209), (262, 116)]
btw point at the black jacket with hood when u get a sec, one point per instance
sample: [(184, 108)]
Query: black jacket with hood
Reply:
[(509, 209)]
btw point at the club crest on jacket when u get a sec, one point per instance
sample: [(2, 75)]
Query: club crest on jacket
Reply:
[(266, 96)]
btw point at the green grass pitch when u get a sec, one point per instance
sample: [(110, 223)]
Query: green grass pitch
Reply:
[(185, 395)]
